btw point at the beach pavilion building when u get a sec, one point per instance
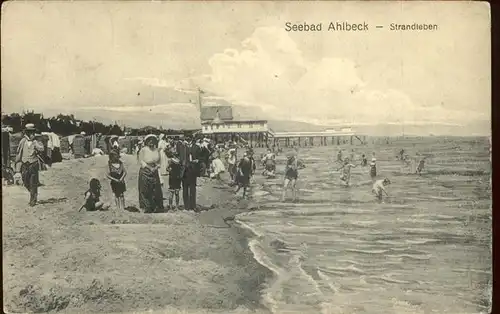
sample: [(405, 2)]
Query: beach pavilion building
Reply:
[(218, 122)]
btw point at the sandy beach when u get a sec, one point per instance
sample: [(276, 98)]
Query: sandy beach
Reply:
[(59, 259)]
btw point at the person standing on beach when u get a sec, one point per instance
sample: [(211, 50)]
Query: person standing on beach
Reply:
[(243, 174), (253, 166), (150, 191), (116, 173), (28, 161), (189, 160), (231, 164), (114, 143), (162, 147), (174, 180)]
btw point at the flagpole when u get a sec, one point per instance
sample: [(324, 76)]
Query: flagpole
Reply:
[(199, 98)]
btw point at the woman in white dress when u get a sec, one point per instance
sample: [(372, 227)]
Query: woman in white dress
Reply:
[(162, 146), (150, 190)]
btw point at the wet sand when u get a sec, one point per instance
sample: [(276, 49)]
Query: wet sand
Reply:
[(59, 259)]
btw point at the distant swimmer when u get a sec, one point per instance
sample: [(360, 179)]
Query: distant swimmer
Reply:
[(353, 155), (339, 156), (346, 171), (420, 166), (401, 154), (364, 161), (379, 188), (373, 168)]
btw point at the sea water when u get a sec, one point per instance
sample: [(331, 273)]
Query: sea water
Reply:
[(425, 249)]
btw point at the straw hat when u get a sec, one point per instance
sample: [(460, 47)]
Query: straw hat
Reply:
[(30, 127), (82, 133), (149, 137)]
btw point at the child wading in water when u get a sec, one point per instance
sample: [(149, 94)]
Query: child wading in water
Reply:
[(346, 171), (379, 188), (291, 175), (174, 180), (92, 197), (420, 166), (373, 169), (116, 173), (364, 161)]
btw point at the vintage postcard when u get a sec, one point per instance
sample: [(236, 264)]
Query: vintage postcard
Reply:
[(246, 157)]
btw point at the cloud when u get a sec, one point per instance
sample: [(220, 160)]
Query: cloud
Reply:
[(270, 71)]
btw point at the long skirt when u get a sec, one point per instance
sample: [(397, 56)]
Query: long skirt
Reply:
[(150, 192)]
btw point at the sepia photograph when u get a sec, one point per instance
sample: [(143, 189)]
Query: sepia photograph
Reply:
[(262, 157)]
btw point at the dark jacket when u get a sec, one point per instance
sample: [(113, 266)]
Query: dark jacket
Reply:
[(188, 153)]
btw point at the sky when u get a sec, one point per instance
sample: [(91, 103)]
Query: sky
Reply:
[(140, 63)]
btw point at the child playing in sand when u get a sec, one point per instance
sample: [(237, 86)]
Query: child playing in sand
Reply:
[(373, 169), (379, 188), (346, 171), (174, 180), (116, 173), (92, 197)]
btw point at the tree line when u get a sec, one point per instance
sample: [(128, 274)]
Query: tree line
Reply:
[(65, 125)]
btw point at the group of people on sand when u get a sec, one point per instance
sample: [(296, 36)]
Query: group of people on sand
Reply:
[(183, 160)]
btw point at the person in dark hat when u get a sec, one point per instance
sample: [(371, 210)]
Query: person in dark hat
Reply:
[(28, 161), (189, 157)]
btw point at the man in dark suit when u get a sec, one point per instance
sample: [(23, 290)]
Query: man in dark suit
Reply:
[(189, 154)]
